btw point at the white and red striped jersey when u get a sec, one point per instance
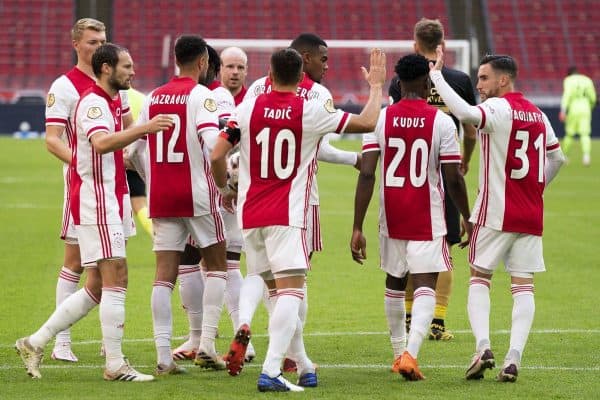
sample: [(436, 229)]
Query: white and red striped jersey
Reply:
[(413, 139), (224, 99), (515, 137), (98, 181), (179, 180), (279, 134), (308, 90)]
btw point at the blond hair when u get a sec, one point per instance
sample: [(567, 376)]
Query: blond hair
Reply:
[(429, 33), (84, 24)]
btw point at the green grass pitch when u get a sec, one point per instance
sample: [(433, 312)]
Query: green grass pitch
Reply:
[(346, 329)]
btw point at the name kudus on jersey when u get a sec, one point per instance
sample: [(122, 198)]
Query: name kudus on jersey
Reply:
[(405, 122)]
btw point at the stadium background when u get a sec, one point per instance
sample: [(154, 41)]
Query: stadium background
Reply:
[(546, 37)]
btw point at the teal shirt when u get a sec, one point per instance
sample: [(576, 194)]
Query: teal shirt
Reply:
[(579, 95)]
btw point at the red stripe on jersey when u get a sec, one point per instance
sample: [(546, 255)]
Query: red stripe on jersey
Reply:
[(446, 256), (482, 125), (485, 151), (342, 125), (96, 129), (56, 121), (553, 146), (206, 125), (448, 158), (370, 147)]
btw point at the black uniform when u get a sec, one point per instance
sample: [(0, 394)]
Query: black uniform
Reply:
[(137, 187), (461, 83)]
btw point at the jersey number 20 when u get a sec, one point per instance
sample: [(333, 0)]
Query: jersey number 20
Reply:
[(419, 152)]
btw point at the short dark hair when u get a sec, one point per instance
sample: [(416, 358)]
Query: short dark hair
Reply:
[(188, 48), (307, 42), (286, 66), (411, 67), (501, 63), (108, 53), (214, 61), (572, 69), (429, 33)]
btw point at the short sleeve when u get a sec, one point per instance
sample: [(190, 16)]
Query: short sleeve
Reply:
[(206, 116), (144, 115), (494, 111), (449, 143), (369, 143), (552, 143), (125, 108), (94, 115), (60, 102), (322, 117)]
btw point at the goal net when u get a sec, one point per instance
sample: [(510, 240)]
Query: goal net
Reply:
[(343, 79)]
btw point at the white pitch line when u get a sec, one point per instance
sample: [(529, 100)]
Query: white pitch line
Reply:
[(348, 333), (321, 366)]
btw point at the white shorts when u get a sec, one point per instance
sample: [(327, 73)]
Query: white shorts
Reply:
[(97, 242), (399, 257), (275, 248), (520, 252), (235, 241), (172, 233), (313, 229), (100, 242)]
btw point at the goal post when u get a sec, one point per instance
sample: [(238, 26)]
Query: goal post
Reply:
[(343, 78)]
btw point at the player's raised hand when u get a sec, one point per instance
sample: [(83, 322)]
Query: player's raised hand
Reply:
[(376, 74), (439, 60), (358, 246), (159, 123)]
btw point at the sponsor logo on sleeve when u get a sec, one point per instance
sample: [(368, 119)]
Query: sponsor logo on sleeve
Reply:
[(50, 100), (329, 106), (94, 112), (210, 105)]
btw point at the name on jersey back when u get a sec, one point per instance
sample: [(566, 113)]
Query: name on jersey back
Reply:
[(405, 122), (169, 99)]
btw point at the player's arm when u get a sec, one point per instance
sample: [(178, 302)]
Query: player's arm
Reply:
[(375, 76), (55, 145), (103, 142), (565, 100), (460, 108), (218, 157), (457, 190), (362, 198), (592, 94), (554, 155), (331, 154), (469, 140)]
